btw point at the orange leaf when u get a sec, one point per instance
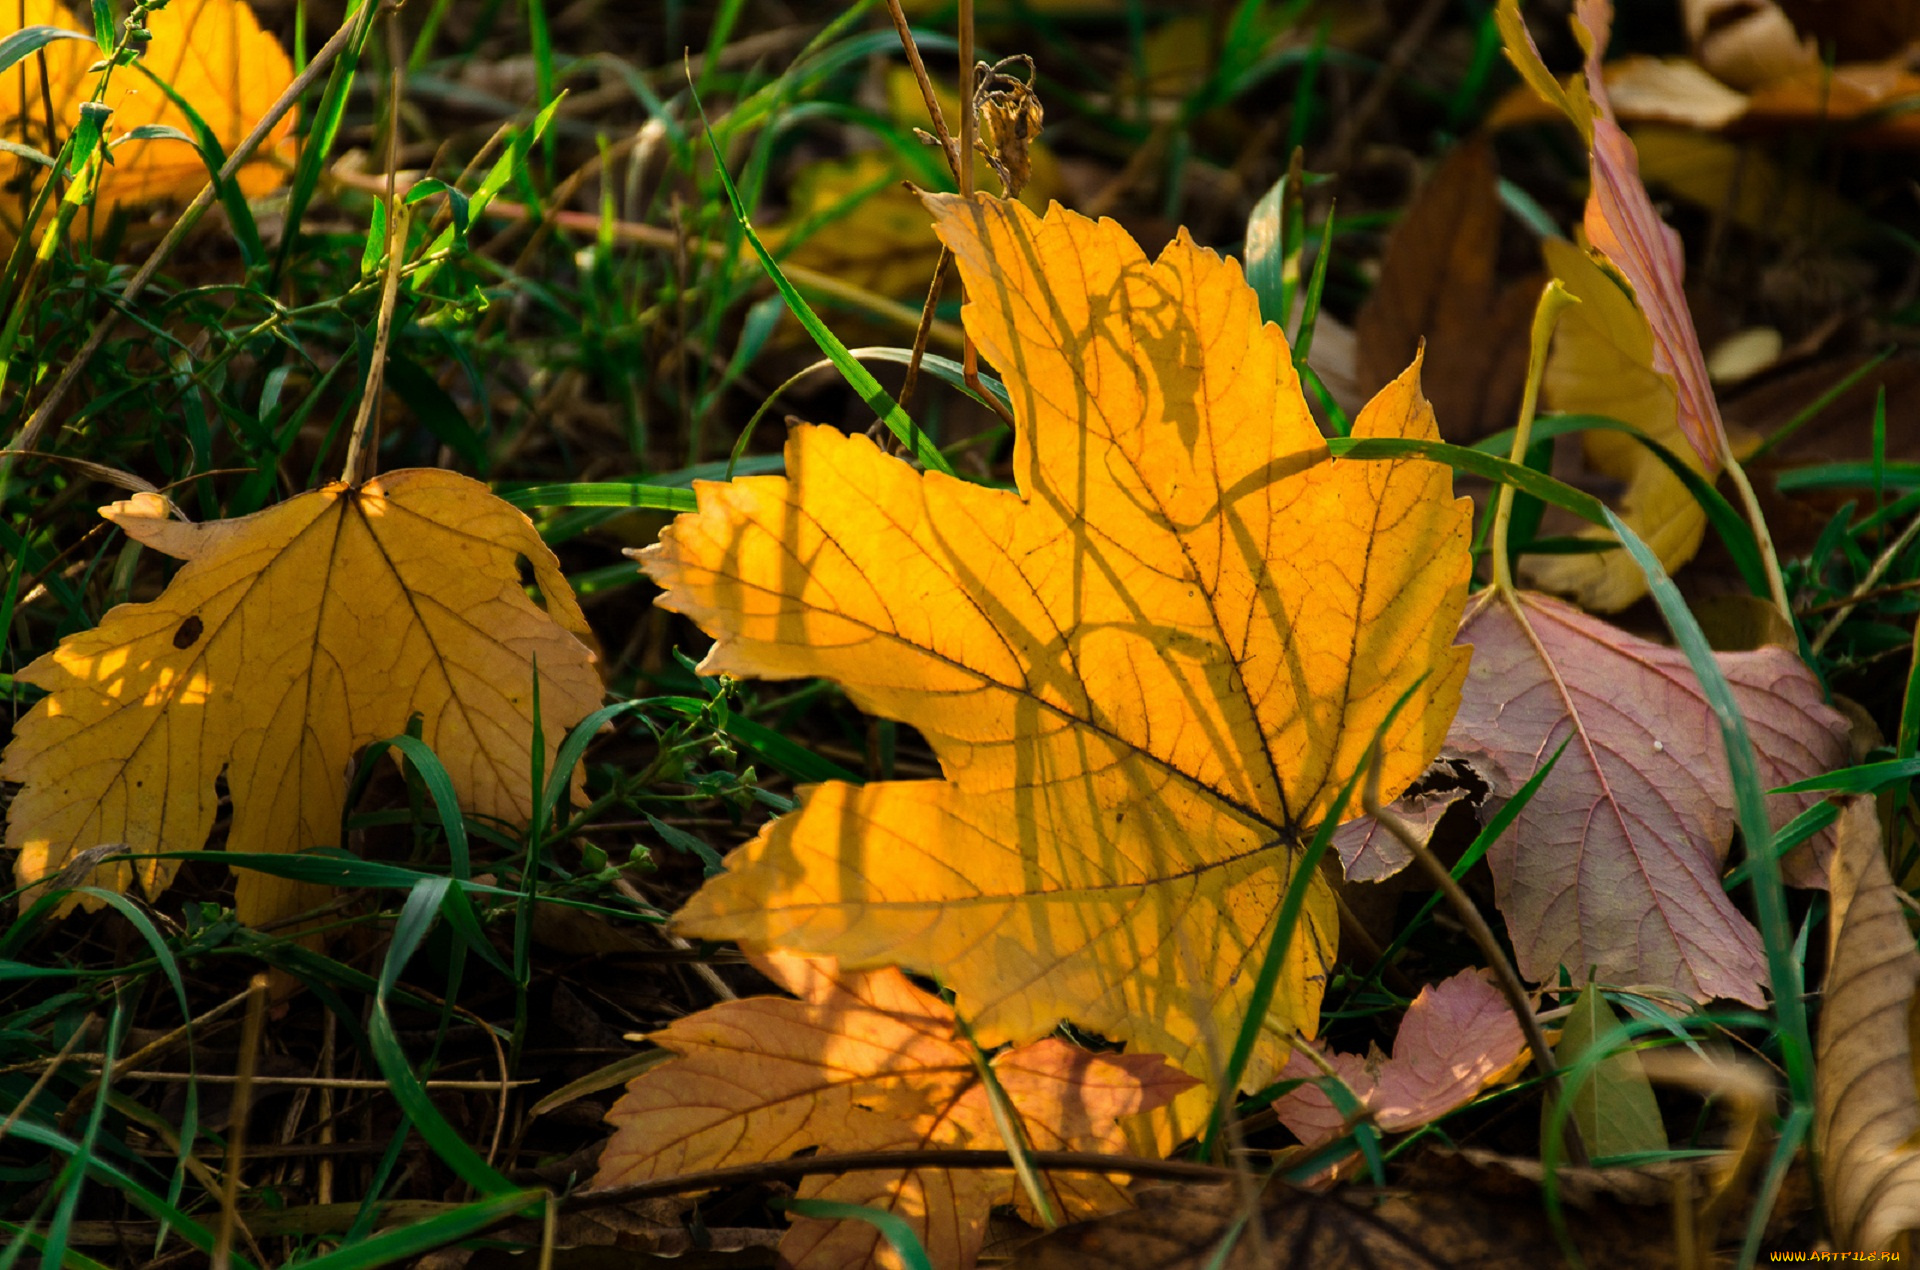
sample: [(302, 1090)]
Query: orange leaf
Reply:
[(290, 640), (211, 52), (1146, 672), (868, 1062)]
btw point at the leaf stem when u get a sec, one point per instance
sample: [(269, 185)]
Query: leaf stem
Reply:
[(399, 217), (1554, 298), (1750, 503)]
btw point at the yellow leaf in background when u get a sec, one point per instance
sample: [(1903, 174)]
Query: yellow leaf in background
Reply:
[(1602, 364), (289, 641), (865, 1061), (1146, 673), (211, 52)]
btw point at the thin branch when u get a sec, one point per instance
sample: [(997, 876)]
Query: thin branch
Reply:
[(890, 1161)]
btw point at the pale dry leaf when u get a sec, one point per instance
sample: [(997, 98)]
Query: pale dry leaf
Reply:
[(1146, 673), (288, 641)]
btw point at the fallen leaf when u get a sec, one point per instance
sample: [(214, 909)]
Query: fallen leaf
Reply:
[(288, 641), (1615, 864), (1369, 853), (1744, 184), (1868, 103), (865, 1061), (1458, 1036), (1613, 1108), (1671, 90), (1146, 674), (1437, 284), (211, 52), (1866, 1109)]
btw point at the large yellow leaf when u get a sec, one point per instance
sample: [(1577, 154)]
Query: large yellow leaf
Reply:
[(1146, 672), (290, 640), (211, 52), (865, 1061)]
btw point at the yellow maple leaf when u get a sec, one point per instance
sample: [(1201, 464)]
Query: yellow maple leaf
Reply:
[(211, 52), (865, 1061), (290, 640), (1146, 673)]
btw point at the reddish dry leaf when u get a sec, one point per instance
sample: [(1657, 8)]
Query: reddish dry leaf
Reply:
[(1457, 1037), (866, 1061), (1616, 862)]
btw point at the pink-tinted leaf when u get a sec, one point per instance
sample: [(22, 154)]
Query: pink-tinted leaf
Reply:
[(1616, 863), (1457, 1036)]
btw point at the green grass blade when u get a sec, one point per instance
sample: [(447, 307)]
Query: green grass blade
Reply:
[(27, 1130), (1756, 830), (644, 494), (918, 443), (403, 1242), (424, 903), (892, 1227), (1480, 463)]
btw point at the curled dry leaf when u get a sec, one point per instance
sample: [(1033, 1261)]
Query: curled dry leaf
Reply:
[(1458, 1037), (210, 52), (865, 1061), (288, 641), (1146, 673), (1866, 1108), (1615, 864)]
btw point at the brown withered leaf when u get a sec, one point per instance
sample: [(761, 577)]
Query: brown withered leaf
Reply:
[(1438, 284)]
